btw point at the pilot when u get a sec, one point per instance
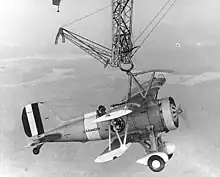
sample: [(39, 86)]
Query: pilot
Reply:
[(101, 111)]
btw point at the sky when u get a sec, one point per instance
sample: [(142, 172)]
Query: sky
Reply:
[(30, 26), (34, 69)]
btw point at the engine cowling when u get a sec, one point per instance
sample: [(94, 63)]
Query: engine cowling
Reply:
[(169, 114), (162, 114)]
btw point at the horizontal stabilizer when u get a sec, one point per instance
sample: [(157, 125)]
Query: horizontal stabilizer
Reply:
[(113, 154), (113, 115), (35, 143), (51, 137), (45, 138)]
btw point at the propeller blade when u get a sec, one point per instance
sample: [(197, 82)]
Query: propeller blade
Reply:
[(184, 116)]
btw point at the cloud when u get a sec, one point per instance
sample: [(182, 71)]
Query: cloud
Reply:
[(199, 159), (44, 57), (56, 75), (209, 76), (179, 79), (190, 80), (201, 42)]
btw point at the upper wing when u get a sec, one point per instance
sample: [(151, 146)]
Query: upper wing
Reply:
[(152, 92), (156, 85)]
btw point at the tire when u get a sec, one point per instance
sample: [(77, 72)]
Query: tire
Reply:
[(36, 151), (156, 163)]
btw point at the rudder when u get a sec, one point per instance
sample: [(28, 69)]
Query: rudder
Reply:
[(32, 120)]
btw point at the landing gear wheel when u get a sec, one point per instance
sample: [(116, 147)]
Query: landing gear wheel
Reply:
[(170, 156), (156, 163), (36, 151)]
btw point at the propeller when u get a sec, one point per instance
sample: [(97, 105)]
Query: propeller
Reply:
[(183, 115), (179, 113)]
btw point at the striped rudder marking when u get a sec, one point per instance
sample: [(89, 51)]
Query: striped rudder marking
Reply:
[(31, 120)]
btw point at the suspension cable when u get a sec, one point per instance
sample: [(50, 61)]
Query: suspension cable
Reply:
[(88, 15), (154, 27), (158, 13)]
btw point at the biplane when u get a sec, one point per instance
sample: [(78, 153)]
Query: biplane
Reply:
[(142, 119)]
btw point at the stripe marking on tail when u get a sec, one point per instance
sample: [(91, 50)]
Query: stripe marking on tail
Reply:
[(37, 117), (31, 119)]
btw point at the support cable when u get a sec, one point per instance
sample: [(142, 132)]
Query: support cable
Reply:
[(88, 15), (158, 13), (154, 28)]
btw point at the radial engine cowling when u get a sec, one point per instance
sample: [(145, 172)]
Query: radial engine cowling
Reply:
[(168, 112)]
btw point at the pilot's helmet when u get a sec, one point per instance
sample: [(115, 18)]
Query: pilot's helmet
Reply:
[(102, 108)]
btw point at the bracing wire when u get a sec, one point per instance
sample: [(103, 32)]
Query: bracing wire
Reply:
[(88, 15), (154, 27)]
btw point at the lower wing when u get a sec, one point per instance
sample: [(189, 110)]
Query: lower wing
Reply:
[(110, 154)]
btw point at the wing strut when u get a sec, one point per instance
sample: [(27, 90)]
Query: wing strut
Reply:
[(150, 84), (109, 136), (126, 132), (116, 148), (125, 135)]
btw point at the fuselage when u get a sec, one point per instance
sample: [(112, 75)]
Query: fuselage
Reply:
[(81, 128), (148, 111)]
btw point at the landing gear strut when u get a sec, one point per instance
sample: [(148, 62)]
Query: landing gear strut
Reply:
[(154, 159)]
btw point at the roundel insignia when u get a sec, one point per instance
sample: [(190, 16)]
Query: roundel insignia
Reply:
[(118, 124)]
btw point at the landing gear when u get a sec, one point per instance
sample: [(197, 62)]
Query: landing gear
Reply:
[(170, 156), (36, 150), (155, 159), (156, 163), (152, 139), (150, 145)]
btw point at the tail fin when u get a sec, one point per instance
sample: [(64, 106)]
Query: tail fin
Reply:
[(32, 120)]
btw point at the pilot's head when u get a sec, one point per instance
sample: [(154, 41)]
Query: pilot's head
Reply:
[(101, 108)]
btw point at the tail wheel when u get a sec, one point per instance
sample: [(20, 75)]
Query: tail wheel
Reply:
[(156, 163), (36, 151)]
